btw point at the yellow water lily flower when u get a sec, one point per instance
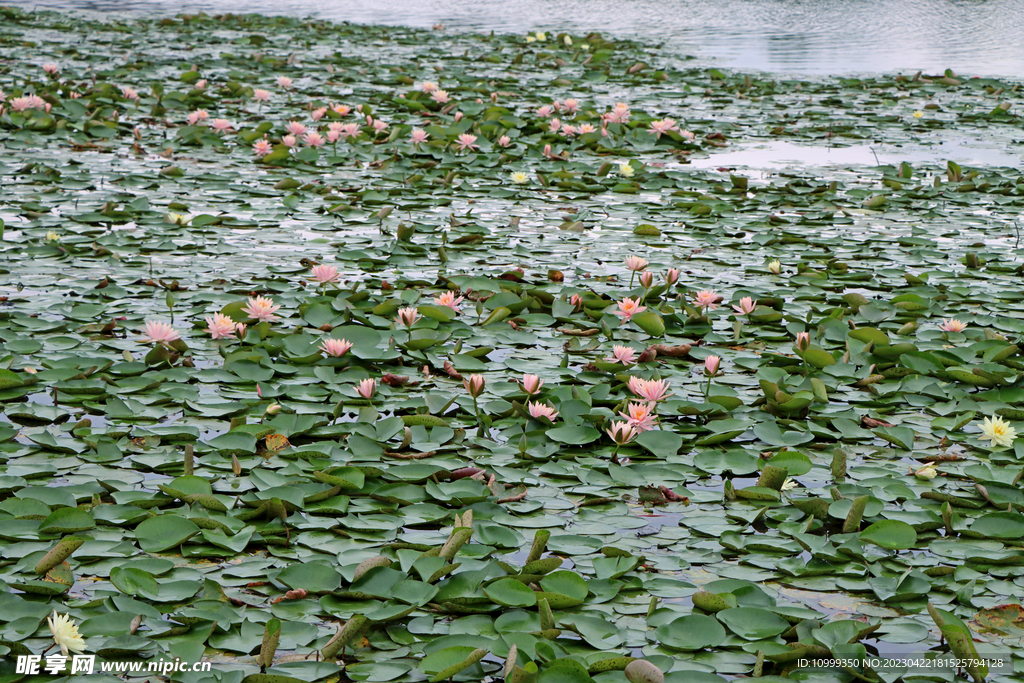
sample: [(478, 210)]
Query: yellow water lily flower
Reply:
[(998, 431), (65, 633)]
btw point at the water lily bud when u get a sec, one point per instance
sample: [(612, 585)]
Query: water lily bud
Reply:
[(803, 341), (474, 385), (925, 473), (711, 365), (273, 409)]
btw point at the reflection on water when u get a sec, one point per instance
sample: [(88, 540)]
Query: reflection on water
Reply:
[(972, 37), (780, 154)]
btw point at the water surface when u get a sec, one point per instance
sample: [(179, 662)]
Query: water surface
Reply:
[(972, 37)]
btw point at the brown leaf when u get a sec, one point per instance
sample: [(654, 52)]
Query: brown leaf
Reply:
[(277, 442), (871, 422), (647, 355), (515, 498), (451, 371), (464, 472), (673, 351), (672, 496), (394, 380)]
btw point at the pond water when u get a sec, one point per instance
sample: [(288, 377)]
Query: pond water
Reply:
[(970, 37)]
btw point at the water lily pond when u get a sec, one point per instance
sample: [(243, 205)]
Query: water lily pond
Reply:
[(347, 353)]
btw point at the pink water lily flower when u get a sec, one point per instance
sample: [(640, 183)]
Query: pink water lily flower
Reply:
[(542, 410), (623, 354), (51, 68), (658, 128), (128, 92), (28, 102), (651, 390), (531, 384), (324, 274), (379, 126), (220, 125), (318, 113), (711, 365), (620, 113), (448, 299), (466, 141), (621, 433), (440, 96), (640, 416), (350, 130), (197, 116), (407, 316), (545, 111), (335, 347), (504, 141), (261, 95), (314, 139), (160, 333), (568, 131), (333, 135), (201, 84), (635, 263), (262, 148), (628, 308), (428, 86), (367, 388), (289, 140), (952, 325), (706, 299), (554, 125), (585, 128), (571, 105), (220, 326), (284, 82), (295, 128), (418, 135), (746, 307), (261, 309), (341, 109)]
